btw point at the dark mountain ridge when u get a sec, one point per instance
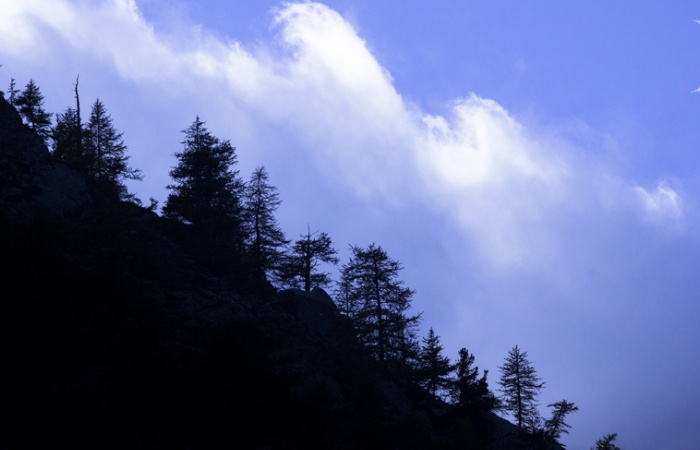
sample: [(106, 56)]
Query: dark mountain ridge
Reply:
[(116, 334)]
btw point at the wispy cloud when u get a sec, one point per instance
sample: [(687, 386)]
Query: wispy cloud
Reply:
[(660, 204)]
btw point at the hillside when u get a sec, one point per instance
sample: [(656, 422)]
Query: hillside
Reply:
[(116, 334)]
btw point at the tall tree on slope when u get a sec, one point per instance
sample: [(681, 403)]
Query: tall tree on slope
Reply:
[(30, 104), (520, 386), (265, 238), (206, 194), (379, 302), (107, 152), (68, 135)]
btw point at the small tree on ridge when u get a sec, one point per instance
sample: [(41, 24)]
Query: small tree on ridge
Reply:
[(30, 104), (556, 425), (434, 368), (606, 443), (467, 390), (300, 267)]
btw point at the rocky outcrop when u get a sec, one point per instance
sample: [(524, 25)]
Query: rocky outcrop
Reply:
[(32, 183), (315, 309)]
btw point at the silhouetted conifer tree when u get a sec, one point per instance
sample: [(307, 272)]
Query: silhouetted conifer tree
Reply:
[(12, 93), (378, 303), (556, 425), (469, 391), (464, 387), (300, 267), (30, 104), (67, 139), (106, 151), (520, 386), (207, 191), (606, 443), (434, 368), (265, 238)]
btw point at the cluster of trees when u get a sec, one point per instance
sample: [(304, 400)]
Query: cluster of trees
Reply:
[(238, 217), (371, 293), (235, 219), (207, 193), (95, 148)]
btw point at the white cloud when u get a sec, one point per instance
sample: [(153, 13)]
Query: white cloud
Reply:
[(20, 22), (489, 172), (497, 181), (661, 204)]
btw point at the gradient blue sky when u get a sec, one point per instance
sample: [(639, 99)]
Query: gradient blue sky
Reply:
[(534, 167)]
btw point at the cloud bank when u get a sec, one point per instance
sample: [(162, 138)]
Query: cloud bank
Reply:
[(318, 81)]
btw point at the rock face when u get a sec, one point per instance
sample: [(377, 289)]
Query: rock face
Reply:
[(31, 181), (315, 309)]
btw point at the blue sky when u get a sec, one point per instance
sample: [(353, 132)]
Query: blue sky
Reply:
[(534, 167)]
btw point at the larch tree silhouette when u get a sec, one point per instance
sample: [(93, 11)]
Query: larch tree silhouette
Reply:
[(520, 386), (30, 104), (378, 303), (266, 239), (300, 268)]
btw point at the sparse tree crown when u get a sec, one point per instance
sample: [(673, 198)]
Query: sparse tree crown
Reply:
[(607, 443), (68, 135), (106, 152), (520, 386), (300, 267), (378, 302), (12, 93), (265, 238), (556, 425)]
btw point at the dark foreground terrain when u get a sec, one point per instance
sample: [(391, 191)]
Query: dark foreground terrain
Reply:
[(116, 332)]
